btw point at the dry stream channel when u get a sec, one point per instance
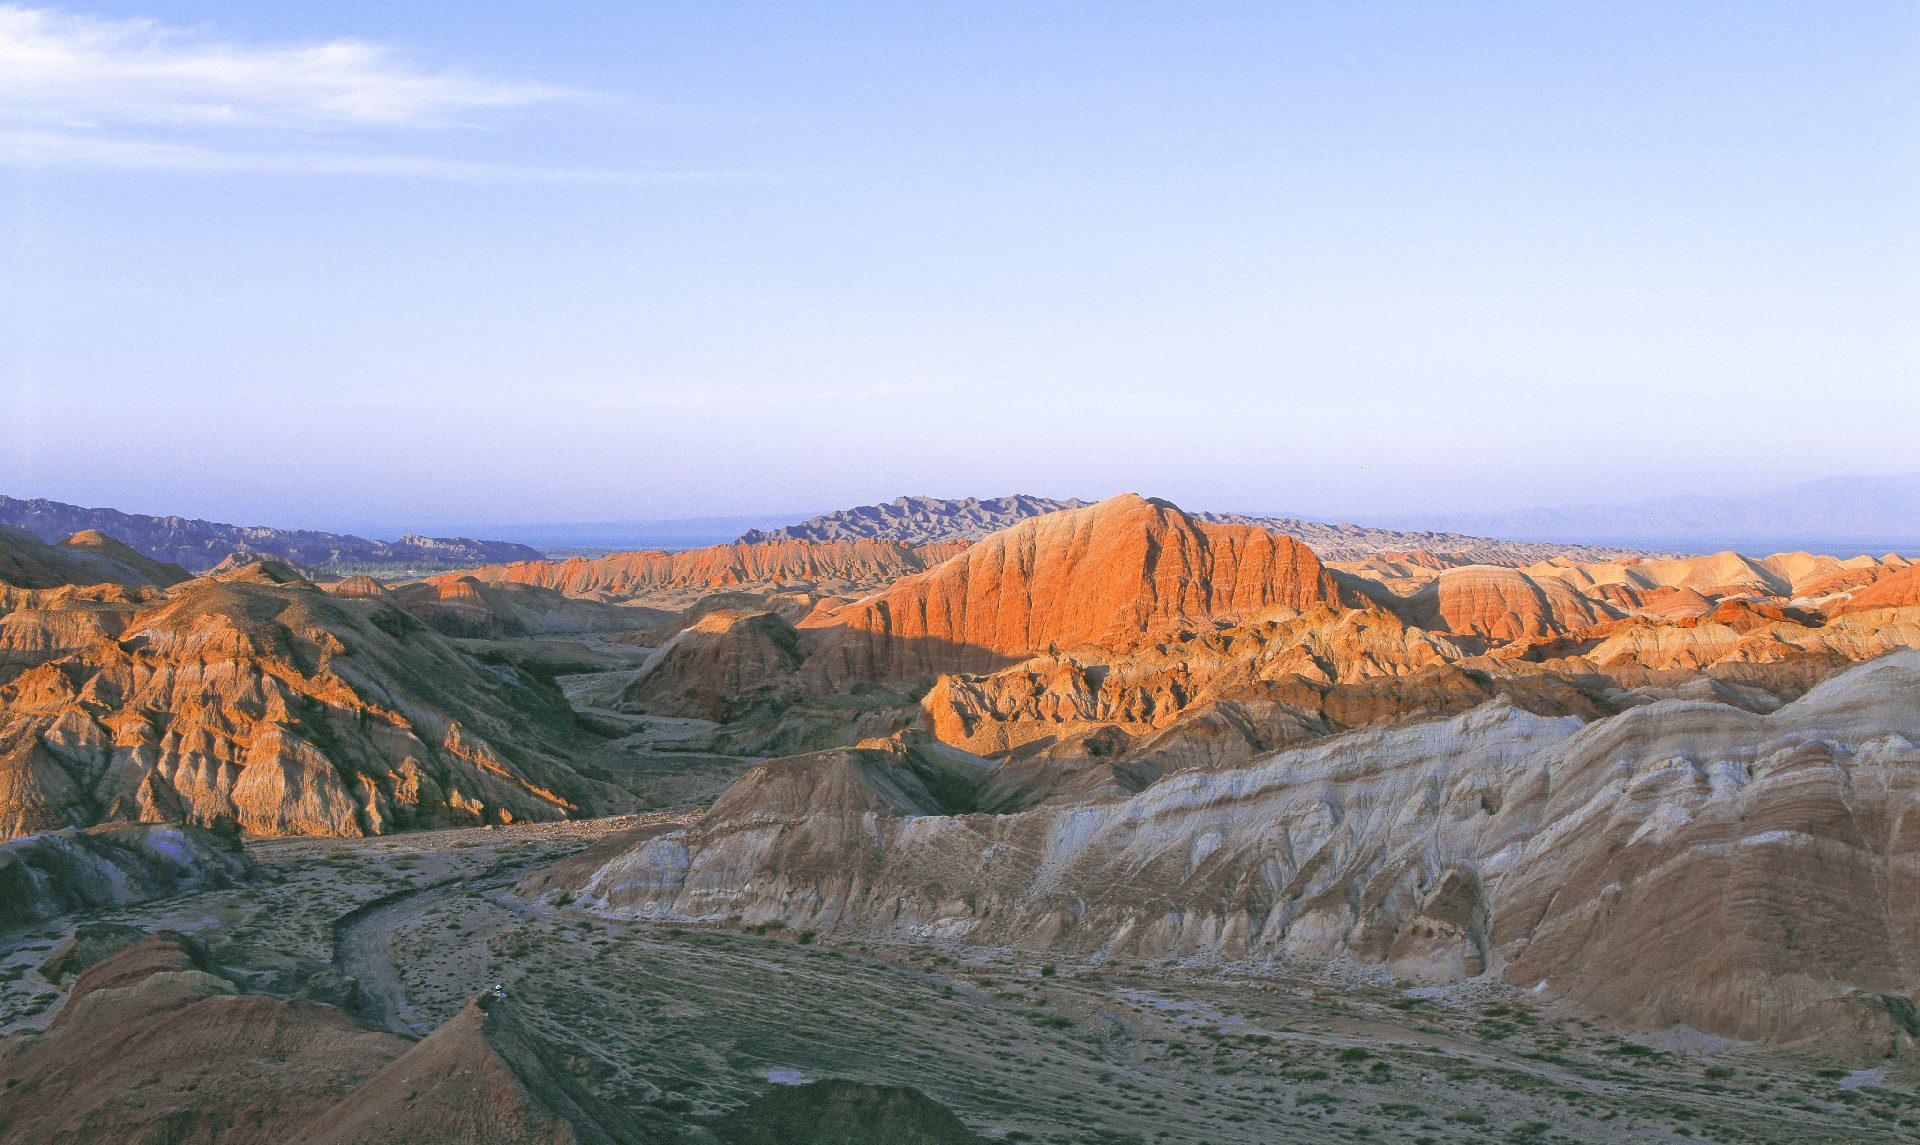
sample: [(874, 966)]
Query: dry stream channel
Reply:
[(688, 1021)]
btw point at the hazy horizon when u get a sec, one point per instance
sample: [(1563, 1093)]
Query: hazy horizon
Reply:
[(432, 265), (1898, 497)]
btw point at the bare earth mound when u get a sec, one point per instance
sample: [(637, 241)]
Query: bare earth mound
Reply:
[(154, 1044)]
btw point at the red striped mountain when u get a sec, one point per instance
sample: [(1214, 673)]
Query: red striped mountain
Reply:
[(1111, 574)]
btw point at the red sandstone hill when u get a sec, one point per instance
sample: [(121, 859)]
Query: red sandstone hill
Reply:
[(1503, 605), (1894, 590), (1108, 574), (856, 566)]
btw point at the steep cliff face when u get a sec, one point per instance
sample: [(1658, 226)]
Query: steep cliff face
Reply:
[(1108, 574), (1682, 863), (259, 700)]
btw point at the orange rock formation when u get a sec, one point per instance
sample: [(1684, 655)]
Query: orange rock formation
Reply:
[(1107, 574), (665, 577)]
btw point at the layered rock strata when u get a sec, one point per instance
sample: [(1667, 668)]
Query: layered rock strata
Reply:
[(1684, 863), (260, 701)]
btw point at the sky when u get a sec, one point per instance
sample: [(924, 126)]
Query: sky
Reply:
[(379, 266)]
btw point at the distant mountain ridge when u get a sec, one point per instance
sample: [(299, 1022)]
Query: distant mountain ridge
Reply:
[(929, 520), (199, 545), (917, 520), (1874, 512)]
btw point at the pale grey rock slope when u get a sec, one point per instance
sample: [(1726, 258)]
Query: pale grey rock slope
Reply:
[(62, 871), (1685, 863)]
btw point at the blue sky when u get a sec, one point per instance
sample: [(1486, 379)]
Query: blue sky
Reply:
[(379, 266)]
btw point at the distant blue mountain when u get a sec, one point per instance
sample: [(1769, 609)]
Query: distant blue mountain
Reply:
[(1860, 514)]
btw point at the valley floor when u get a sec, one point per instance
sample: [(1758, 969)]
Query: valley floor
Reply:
[(684, 1022)]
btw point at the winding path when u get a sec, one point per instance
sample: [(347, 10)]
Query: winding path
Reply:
[(363, 940)]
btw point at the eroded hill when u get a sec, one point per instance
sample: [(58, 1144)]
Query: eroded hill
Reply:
[(1683, 864), (258, 700)]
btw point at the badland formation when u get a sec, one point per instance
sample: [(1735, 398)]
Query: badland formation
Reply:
[(1021, 819)]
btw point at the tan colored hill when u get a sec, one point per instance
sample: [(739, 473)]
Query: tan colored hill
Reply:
[(259, 700), (155, 1044), (1502, 605), (718, 666), (27, 562), (466, 606), (1683, 864), (488, 1079), (1717, 574), (1221, 698), (1898, 589), (97, 544)]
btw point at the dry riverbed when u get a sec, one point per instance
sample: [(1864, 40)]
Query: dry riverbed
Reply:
[(687, 1021)]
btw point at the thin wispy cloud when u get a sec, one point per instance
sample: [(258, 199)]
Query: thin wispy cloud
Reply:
[(136, 94), (39, 149), (76, 69)]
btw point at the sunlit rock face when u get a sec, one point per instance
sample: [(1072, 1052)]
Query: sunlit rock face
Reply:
[(1683, 863), (257, 700), (682, 578), (1203, 643), (1105, 575)]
